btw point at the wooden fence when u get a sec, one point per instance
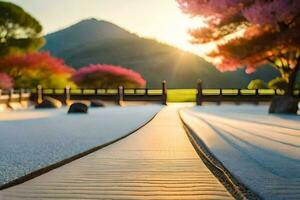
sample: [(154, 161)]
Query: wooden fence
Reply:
[(238, 95), (117, 95), (139, 94), (14, 96)]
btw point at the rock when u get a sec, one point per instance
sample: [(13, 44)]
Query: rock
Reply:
[(49, 102), (78, 108), (97, 104), (284, 105)]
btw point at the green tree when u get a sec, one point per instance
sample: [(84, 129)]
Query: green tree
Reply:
[(19, 31)]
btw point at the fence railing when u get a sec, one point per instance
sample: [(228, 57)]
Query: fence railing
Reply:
[(238, 95), (140, 94), (118, 95), (14, 96)]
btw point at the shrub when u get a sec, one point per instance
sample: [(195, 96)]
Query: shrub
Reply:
[(257, 84), (107, 76), (278, 83), (30, 70), (5, 81)]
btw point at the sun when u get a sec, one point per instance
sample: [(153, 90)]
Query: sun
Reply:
[(177, 33)]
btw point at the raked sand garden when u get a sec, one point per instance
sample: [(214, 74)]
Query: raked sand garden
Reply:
[(33, 139), (156, 162), (260, 150)]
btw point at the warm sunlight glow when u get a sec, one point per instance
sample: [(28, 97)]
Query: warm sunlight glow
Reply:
[(162, 20), (178, 34), (177, 31)]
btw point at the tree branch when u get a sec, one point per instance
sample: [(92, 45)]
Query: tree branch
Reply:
[(273, 63), (282, 64), (294, 19)]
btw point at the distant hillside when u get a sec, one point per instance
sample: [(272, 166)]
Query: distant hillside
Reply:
[(93, 41)]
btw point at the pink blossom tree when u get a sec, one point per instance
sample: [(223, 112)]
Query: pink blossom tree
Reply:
[(107, 76), (32, 69), (250, 33), (5, 81)]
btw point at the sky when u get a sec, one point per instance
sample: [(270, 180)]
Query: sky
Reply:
[(158, 19)]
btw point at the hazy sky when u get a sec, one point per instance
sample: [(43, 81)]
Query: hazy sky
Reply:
[(159, 19)]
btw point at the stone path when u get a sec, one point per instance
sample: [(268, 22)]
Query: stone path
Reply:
[(156, 162)]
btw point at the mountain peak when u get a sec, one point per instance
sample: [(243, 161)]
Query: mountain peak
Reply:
[(85, 32), (90, 20), (87, 23)]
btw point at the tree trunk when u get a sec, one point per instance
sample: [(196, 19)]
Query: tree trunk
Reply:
[(292, 79), (291, 83)]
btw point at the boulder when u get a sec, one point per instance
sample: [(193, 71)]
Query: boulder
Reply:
[(49, 102), (284, 105), (78, 108), (97, 104)]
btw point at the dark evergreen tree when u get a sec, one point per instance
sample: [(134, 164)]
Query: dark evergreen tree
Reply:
[(19, 31)]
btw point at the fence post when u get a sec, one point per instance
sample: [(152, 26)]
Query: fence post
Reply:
[(21, 91), (239, 97), (164, 92), (120, 95), (10, 95), (199, 93), (220, 97), (39, 91), (67, 94), (256, 97)]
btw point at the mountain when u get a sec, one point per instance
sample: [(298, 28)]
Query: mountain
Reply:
[(92, 41), (84, 33)]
